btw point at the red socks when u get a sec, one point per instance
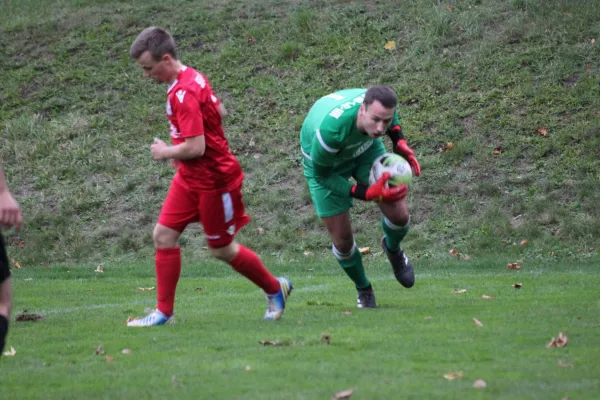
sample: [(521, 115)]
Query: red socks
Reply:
[(168, 269), (247, 263)]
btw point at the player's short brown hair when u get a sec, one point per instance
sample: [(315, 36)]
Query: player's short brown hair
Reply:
[(157, 41), (383, 94)]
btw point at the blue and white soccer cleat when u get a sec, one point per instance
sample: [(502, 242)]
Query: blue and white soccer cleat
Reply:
[(276, 302), (154, 318)]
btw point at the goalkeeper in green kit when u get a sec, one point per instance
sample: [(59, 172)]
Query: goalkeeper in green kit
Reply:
[(341, 138)]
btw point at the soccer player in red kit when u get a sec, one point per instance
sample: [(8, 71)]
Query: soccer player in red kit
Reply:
[(207, 185)]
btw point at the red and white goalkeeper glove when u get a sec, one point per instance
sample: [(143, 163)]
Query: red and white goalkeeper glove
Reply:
[(402, 148), (379, 191)]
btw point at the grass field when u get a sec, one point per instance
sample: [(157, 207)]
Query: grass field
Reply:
[(500, 99), (403, 349)]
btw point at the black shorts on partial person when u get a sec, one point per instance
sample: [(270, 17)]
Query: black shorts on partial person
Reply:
[(4, 271)]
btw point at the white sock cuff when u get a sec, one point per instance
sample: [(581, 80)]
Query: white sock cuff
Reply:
[(393, 226), (342, 256)]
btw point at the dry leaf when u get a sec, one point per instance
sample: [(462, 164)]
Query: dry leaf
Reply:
[(524, 242), (99, 269), (449, 9), (542, 131), (142, 289), (251, 41), (364, 250), (274, 343), (479, 383), (326, 337), (453, 375), (11, 352), (448, 146), (260, 230), (16, 264), (593, 41), (345, 394), (498, 150), (126, 351), (513, 266), (477, 322), (199, 289), (100, 351), (459, 291), (248, 368), (485, 296), (564, 364), (427, 318), (176, 381), (390, 45), (517, 285), (452, 252), (109, 358), (347, 312), (307, 252), (588, 67), (28, 317), (562, 340)]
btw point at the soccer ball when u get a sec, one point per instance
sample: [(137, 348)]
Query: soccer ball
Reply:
[(397, 166)]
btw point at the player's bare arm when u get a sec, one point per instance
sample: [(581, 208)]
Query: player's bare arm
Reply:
[(10, 213), (222, 110), (193, 147)]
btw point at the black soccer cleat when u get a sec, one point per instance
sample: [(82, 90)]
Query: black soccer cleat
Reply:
[(366, 298), (403, 270)]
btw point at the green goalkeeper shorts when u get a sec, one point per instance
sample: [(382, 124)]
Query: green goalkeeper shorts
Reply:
[(328, 203)]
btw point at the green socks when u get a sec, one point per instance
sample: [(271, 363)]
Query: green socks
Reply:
[(352, 265), (393, 234)]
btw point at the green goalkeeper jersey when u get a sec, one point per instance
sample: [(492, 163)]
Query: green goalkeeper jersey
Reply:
[(330, 139)]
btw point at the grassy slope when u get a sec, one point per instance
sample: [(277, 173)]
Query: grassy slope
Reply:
[(391, 352), (77, 118)]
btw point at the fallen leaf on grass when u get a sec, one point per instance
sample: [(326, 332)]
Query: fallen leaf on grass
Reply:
[(448, 146), (307, 252), (16, 264), (347, 312), (498, 150), (517, 285), (251, 41), (344, 394), (126, 351), (485, 296), (364, 250), (11, 352), (390, 45), (326, 337), (560, 341), (513, 266), (479, 383), (199, 289), (542, 131), (100, 351), (145, 289), (260, 230), (99, 269), (524, 242), (459, 291), (588, 67), (28, 317), (477, 322), (176, 381), (593, 41), (453, 252), (273, 343), (109, 358), (453, 375), (564, 364), (427, 318)]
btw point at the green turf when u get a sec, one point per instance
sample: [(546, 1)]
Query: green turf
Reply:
[(395, 351)]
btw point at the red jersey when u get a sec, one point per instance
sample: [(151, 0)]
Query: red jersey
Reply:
[(192, 108)]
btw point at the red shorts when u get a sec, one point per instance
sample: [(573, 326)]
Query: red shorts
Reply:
[(221, 215)]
